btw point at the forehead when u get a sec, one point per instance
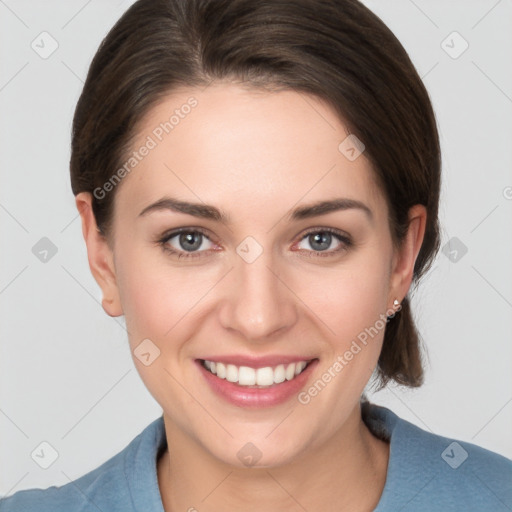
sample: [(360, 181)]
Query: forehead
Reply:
[(244, 147)]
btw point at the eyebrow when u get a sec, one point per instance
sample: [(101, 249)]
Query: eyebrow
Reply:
[(212, 213)]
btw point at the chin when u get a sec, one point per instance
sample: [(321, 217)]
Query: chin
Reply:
[(243, 453)]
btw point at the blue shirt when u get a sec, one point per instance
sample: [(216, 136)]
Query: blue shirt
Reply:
[(426, 473)]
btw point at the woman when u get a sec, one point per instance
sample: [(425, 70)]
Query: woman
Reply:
[(258, 183)]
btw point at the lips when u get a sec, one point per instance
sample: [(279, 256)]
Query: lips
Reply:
[(234, 381)]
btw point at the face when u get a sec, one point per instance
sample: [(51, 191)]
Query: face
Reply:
[(252, 276)]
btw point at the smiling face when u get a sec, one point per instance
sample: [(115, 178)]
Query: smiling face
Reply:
[(257, 277)]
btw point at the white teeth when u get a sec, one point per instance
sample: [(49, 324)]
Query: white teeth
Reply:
[(279, 374), (231, 373), (246, 376), (265, 376), (290, 371), (299, 367), (221, 370)]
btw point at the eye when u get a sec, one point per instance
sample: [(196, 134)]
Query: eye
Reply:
[(320, 240), (191, 243), (185, 243)]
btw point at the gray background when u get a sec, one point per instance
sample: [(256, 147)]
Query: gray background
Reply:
[(66, 374)]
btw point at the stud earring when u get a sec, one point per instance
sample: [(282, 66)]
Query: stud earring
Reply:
[(396, 307)]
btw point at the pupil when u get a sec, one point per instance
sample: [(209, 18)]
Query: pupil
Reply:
[(321, 240), (187, 240)]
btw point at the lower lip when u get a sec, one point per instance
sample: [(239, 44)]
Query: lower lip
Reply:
[(243, 396)]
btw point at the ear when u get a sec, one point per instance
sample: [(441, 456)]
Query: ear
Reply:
[(404, 259), (100, 256)]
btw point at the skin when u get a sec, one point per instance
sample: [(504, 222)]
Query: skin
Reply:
[(256, 156)]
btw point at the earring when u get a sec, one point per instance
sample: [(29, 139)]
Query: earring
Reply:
[(396, 305)]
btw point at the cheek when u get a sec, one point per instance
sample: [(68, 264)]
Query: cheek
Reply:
[(157, 296), (350, 302), (349, 298), (148, 295)]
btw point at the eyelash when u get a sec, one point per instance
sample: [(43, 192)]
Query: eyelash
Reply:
[(346, 241)]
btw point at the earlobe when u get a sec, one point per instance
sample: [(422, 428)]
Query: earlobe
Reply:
[(100, 256), (405, 258)]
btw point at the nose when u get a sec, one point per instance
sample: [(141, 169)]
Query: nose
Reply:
[(258, 303)]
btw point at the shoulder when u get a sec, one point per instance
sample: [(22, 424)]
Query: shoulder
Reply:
[(78, 495), (108, 487), (427, 471), (88, 492)]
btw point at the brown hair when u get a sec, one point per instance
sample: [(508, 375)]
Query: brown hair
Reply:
[(337, 50)]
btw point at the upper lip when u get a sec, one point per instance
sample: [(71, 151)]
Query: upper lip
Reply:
[(257, 361)]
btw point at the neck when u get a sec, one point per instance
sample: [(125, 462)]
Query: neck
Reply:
[(346, 473)]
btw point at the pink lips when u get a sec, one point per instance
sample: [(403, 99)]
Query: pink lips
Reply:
[(249, 397)]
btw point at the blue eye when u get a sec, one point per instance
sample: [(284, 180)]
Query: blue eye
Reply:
[(193, 243), (320, 241), (185, 243)]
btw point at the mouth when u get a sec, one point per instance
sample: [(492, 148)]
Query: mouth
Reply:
[(250, 377), (256, 386)]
